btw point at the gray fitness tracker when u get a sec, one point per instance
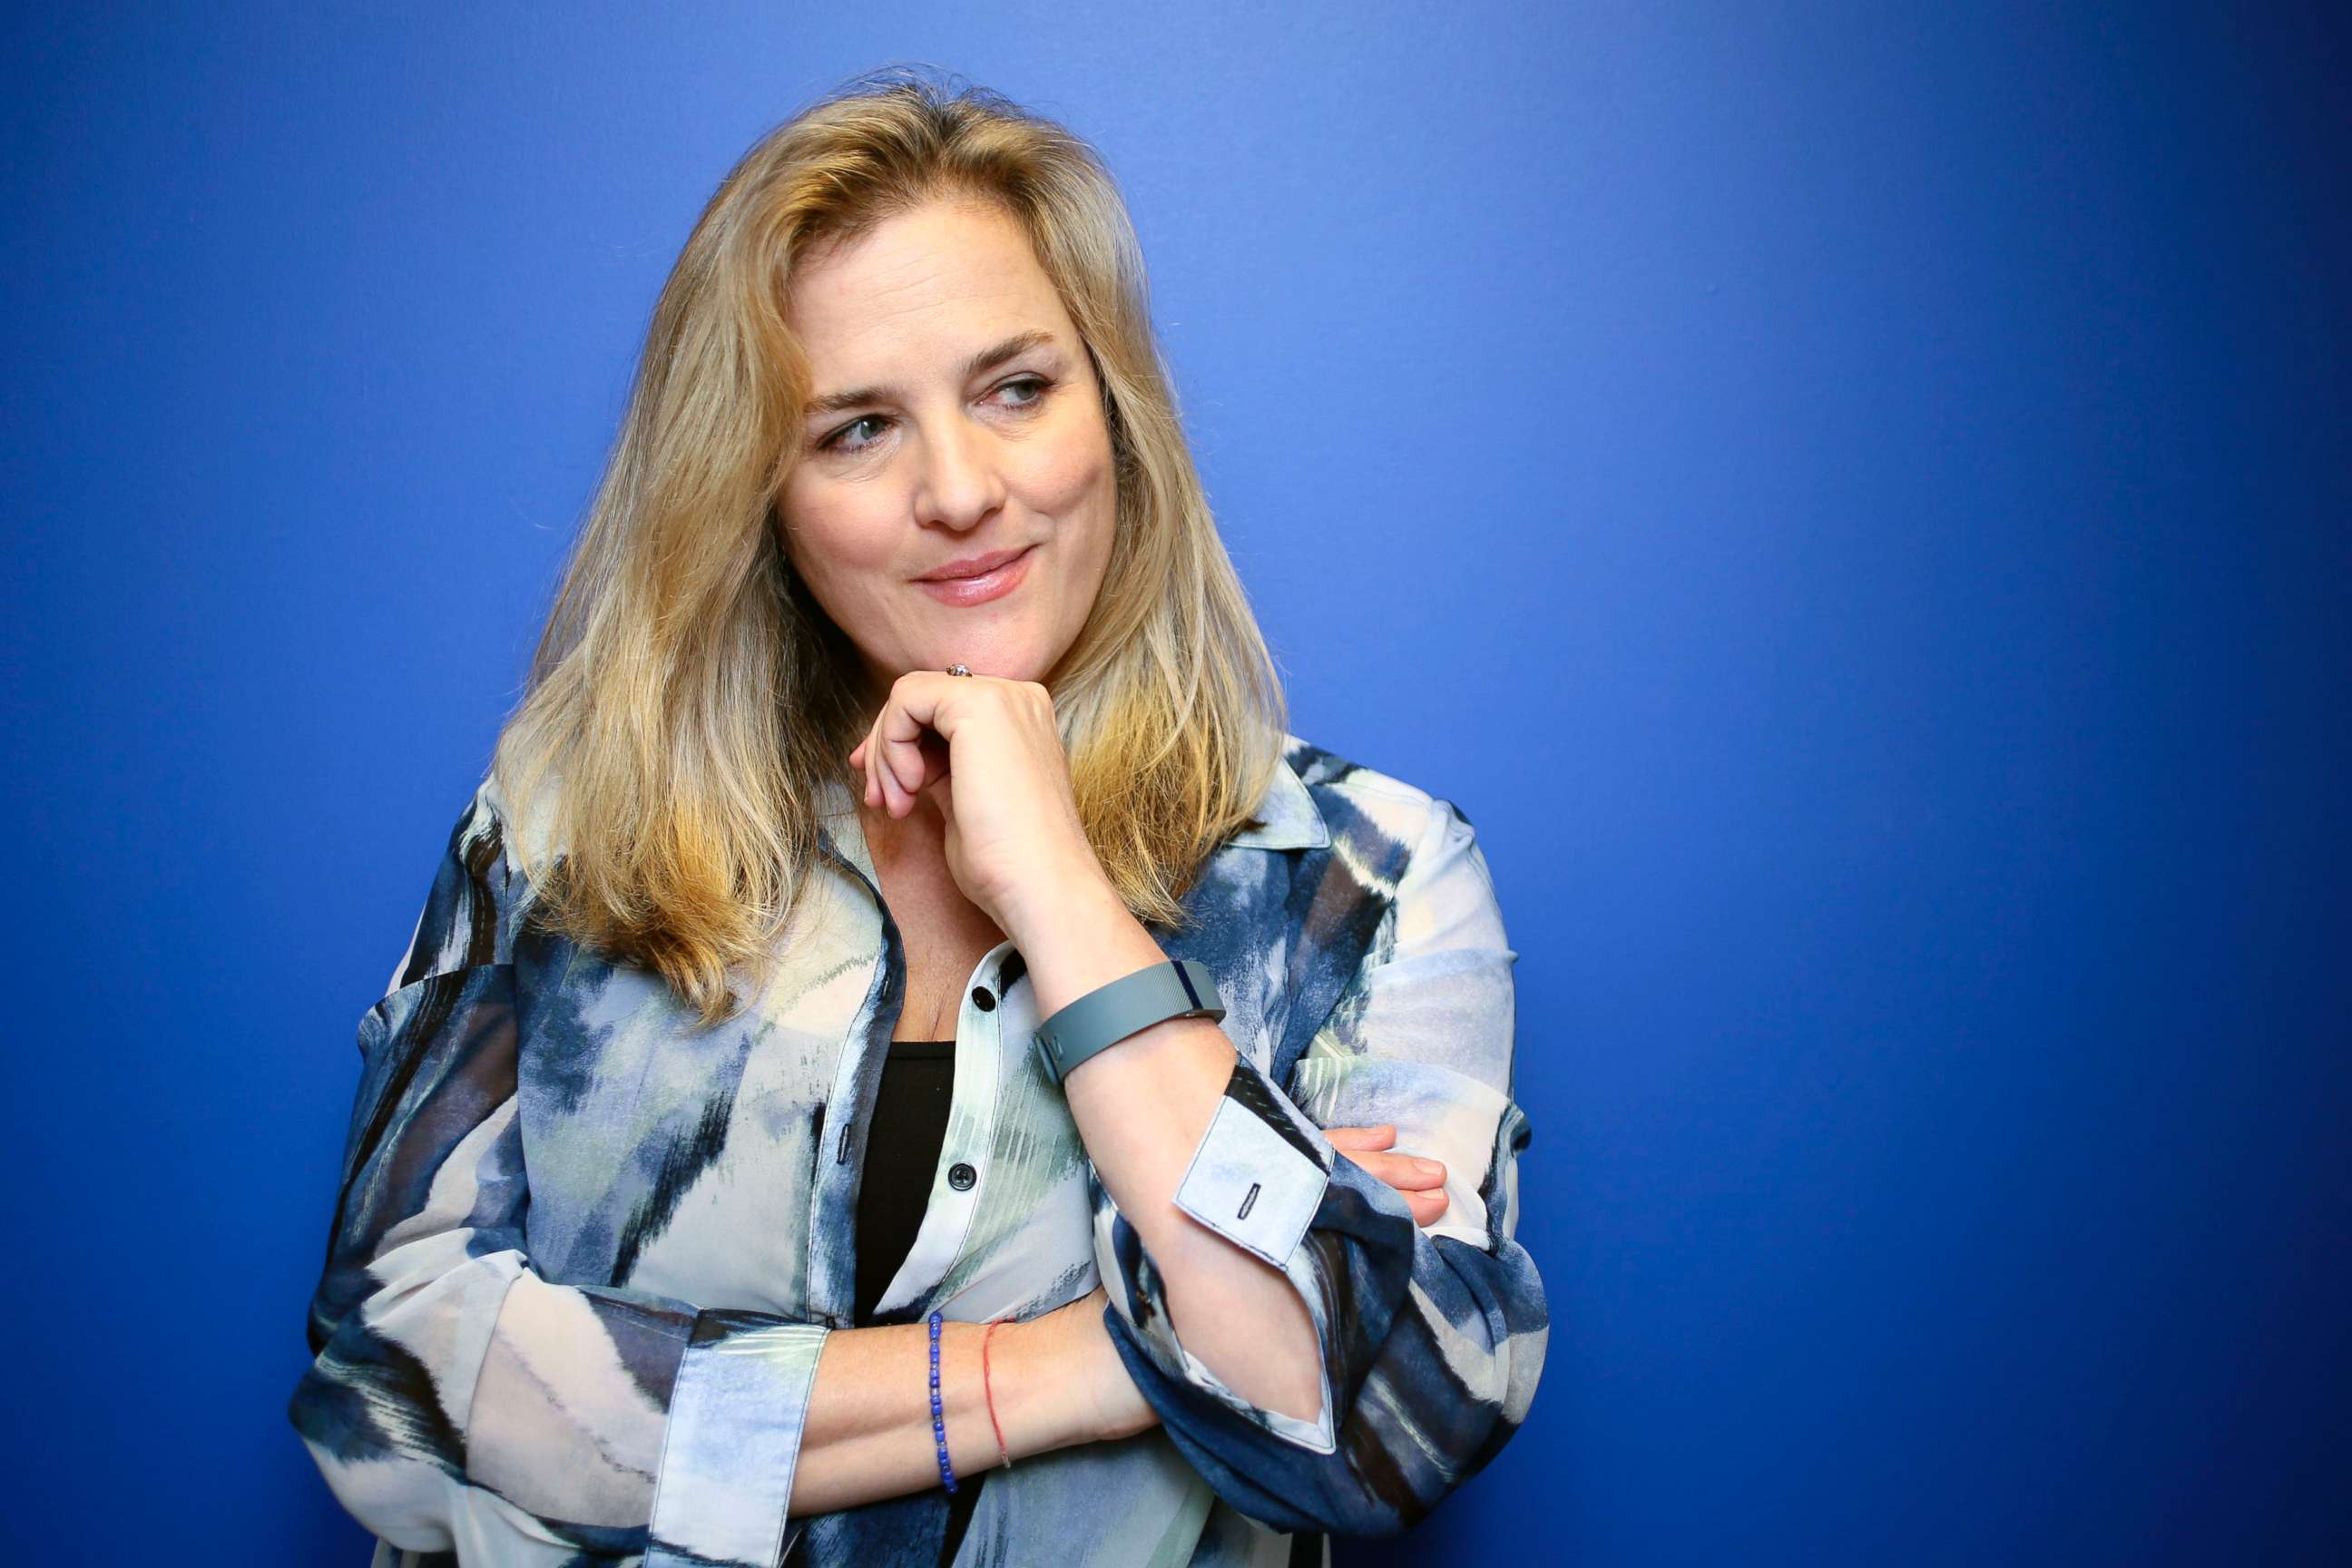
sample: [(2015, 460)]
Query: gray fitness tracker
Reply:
[(1098, 1020)]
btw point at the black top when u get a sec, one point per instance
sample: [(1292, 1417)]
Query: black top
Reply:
[(902, 1151)]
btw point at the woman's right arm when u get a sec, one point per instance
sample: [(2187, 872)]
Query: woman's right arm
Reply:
[(458, 1399), (1058, 1380)]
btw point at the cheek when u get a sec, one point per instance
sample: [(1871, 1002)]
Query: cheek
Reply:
[(1072, 472), (829, 538)]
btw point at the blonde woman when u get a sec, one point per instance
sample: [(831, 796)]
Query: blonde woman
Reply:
[(905, 1057)]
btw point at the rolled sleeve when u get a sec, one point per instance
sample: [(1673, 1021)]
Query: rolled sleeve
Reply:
[(1430, 1340), (1259, 1177), (736, 1416), (459, 1399)]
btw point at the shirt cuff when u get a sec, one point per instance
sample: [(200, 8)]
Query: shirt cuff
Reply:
[(1257, 1178), (1257, 1174), (734, 1439)]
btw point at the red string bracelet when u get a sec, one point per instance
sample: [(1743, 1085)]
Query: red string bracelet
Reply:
[(988, 1393)]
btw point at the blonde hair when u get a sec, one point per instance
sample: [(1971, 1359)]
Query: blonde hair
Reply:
[(688, 698)]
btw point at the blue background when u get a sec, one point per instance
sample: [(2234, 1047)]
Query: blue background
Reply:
[(1851, 498)]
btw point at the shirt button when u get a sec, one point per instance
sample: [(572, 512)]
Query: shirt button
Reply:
[(960, 1176), (985, 999)]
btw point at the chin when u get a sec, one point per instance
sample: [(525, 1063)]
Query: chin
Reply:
[(987, 655)]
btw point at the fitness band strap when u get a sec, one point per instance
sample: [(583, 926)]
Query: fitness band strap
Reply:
[(1098, 1020)]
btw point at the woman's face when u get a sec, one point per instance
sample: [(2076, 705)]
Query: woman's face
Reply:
[(955, 420)]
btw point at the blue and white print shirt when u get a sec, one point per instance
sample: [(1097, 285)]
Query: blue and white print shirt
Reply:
[(586, 1252)]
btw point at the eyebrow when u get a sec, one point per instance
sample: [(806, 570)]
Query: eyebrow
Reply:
[(986, 360)]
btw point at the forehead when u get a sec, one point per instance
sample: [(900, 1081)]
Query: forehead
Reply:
[(925, 282)]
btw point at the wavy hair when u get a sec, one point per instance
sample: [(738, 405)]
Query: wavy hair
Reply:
[(688, 698)]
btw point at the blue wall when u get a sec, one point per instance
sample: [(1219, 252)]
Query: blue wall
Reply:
[(1851, 498)]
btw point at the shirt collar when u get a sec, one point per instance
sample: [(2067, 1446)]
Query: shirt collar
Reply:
[(1288, 817)]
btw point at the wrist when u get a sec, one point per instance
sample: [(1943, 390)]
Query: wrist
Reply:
[(1084, 942), (1044, 1389), (1055, 903)]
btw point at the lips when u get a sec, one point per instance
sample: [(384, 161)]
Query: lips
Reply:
[(971, 567), (1002, 573)]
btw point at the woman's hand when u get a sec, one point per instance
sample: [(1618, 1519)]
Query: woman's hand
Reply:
[(1422, 1182), (1014, 839)]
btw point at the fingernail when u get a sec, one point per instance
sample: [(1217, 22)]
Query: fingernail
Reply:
[(1428, 1167)]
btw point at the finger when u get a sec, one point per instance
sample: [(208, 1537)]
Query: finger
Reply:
[(1426, 1206), (900, 731), (1379, 1136), (894, 788), (1404, 1171), (908, 767), (918, 723)]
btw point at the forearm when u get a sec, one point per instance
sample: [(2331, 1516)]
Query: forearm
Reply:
[(869, 1433), (1142, 1108)]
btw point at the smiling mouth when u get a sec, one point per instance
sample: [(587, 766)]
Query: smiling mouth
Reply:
[(979, 566), (981, 587)]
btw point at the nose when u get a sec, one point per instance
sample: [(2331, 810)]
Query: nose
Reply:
[(961, 482)]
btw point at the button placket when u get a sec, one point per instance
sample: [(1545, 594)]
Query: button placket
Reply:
[(949, 1219), (976, 1021)]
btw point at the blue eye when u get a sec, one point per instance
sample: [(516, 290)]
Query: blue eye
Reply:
[(1039, 382), (837, 443), (834, 443)]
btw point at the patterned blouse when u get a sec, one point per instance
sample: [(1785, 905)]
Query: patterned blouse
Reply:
[(585, 1254)]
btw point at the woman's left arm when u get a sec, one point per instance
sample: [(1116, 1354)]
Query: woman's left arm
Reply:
[(1426, 1342)]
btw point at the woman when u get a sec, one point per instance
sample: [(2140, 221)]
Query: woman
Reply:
[(899, 697)]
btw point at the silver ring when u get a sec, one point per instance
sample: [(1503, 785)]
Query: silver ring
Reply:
[(959, 670)]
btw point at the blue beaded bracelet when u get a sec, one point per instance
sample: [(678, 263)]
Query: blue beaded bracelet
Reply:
[(938, 1418)]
